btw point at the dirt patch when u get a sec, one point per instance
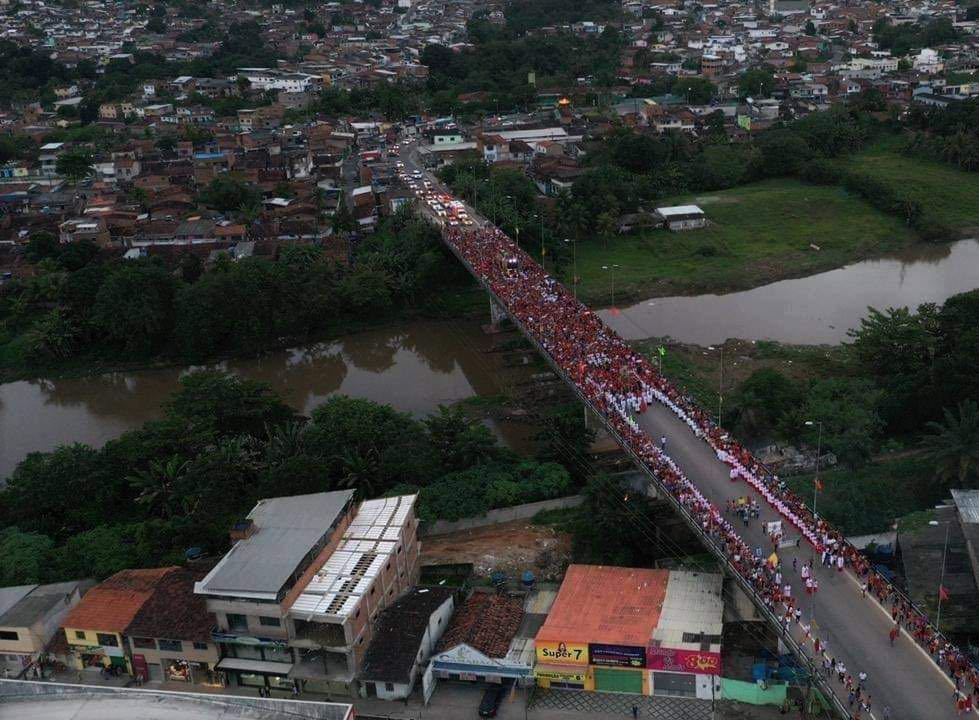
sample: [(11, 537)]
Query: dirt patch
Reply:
[(715, 200), (509, 547)]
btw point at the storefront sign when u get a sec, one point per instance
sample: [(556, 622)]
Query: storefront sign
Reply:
[(617, 655), (691, 661), (569, 675), (562, 653)]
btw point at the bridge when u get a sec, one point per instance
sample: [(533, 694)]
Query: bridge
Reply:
[(699, 471)]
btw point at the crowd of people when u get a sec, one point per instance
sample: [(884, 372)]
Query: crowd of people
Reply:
[(620, 384)]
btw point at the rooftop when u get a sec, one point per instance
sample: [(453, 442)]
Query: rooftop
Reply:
[(679, 210), (174, 611), (285, 531), (36, 604), (486, 622), (112, 604), (399, 633), (367, 544), (610, 605)]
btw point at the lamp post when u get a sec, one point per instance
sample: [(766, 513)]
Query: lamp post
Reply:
[(574, 267), (941, 577), (611, 269), (819, 448)]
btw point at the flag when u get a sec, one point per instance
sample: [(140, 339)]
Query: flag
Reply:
[(773, 560), (942, 593), (615, 311), (662, 351), (819, 484)]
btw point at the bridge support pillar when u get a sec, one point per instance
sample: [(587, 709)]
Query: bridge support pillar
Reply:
[(497, 315)]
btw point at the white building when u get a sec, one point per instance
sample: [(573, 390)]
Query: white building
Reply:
[(682, 217)]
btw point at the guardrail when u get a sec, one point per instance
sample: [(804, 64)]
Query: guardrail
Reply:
[(786, 636)]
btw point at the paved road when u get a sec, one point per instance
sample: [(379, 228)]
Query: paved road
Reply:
[(855, 628)]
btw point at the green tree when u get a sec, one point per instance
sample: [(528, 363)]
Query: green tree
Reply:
[(761, 401), (134, 307), (757, 83), (25, 558), (953, 446), (75, 165), (227, 193), (42, 245), (155, 485), (457, 441)]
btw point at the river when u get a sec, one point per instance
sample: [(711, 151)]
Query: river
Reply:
[(813, 310), (417, 366), (414, 367)]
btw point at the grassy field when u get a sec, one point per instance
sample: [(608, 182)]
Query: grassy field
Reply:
[(952, 194), (758, 233)]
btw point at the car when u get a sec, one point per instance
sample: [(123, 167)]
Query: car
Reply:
[(490, 703)]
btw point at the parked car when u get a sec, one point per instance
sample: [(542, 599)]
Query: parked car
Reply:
[(492, 698)]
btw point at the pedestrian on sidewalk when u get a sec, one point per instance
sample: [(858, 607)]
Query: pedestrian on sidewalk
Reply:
[(662, 446), (893, 634), (635, 711)]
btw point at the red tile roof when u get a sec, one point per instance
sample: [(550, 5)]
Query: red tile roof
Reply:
[(486, 622), (111, 605), (174, 612)]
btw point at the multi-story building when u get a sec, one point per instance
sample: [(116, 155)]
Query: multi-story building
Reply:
[(30, 615), (295, 596)]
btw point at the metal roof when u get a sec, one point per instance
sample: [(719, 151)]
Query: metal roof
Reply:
[(366, 546), (967, 502), (285, 531)]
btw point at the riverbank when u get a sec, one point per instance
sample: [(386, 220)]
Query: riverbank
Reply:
[(459, 304), (757, 234)]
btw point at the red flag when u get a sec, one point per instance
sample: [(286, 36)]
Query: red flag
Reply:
[(581, 367), (615, 311), (819, 484), (942, 592)]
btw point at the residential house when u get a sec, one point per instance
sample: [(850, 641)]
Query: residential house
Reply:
[(95, 628), (30, 616), (170, 635), (405, 636)]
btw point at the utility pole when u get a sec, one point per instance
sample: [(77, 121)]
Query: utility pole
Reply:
[(720, 390), (941, 579)]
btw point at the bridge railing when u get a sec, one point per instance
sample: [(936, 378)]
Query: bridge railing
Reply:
[(708, 540)]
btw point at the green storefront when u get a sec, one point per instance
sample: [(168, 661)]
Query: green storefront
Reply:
[(618, 680)]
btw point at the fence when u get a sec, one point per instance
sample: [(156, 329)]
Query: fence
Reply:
[(501, 515)]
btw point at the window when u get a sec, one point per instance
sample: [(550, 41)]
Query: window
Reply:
[(79, 634), (144, 643), (200, 646), (9, 635), (171, 646), (108, 640), (237, 622), (389, 687), (269, 621)]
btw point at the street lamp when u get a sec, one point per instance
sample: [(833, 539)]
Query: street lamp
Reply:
[(574, 266), (611, 269), (941, 577), (819, 446)]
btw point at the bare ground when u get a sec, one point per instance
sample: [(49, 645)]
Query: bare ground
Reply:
[(510, 547)]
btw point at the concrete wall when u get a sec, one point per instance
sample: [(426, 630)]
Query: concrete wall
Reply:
[(502, 515)]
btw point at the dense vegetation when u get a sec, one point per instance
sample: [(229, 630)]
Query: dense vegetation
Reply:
[(81, 307), (951, 134), (223, 443)]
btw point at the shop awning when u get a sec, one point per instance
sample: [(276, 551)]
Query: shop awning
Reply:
[(255, 666)]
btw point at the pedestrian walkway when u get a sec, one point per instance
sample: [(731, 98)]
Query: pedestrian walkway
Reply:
[(618, 704)]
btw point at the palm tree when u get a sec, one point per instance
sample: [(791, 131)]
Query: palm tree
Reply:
[(156, 484), (358, 471), (285, 441), (953, 445)]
